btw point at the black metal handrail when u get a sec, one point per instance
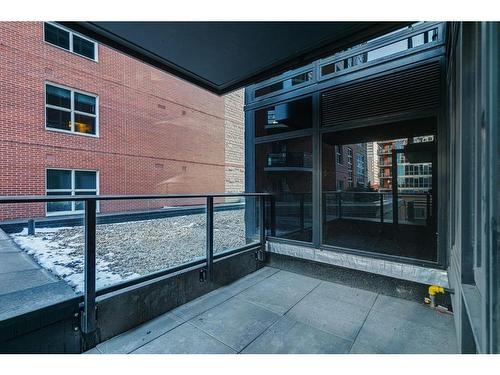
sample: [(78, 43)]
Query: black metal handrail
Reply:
[(69, 198), (380, 198), (90, 221)]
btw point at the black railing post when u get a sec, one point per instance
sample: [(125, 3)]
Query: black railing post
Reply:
[(89, 310), (272, 206), (302, 199), (210, 238), (382, 208), (339, 213), (395, 198), (262, 222), (324, 207), (428, 208), (31, 227)]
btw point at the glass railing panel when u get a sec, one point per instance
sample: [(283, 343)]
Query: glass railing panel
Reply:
[(230, 229), (139, 237)]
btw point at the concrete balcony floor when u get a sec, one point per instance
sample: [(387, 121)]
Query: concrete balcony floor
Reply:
[(275, 311)]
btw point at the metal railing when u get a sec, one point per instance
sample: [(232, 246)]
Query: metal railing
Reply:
[(370, 201), (289, 204), (90, 222)]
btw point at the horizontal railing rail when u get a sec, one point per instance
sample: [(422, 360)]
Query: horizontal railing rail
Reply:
[(420, 200), (350, 192), (90, 293), (69, 198)]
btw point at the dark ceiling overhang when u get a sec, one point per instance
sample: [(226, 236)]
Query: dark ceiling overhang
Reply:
[(224, 56)]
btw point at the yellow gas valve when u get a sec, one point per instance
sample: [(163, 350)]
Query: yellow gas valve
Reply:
[(433, 290)]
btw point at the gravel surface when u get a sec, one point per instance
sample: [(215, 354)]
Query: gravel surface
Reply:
[(127, 250)]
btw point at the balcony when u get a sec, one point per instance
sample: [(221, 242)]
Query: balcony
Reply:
[(224, 300), (385, 151), (277, 311), (305, 269), (385, 162)]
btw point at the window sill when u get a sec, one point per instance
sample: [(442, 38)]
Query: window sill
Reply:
[(71, 132), (96, 60), (67, 213)]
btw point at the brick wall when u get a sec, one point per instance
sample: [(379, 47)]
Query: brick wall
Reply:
[(234, 141), (157, 134)]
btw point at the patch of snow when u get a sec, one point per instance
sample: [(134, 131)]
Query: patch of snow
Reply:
[(24, 232), (130, 249), (62, 261)]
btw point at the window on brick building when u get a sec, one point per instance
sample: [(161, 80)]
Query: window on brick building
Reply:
[(70, 110), (360, 169), (69, 182), (68, 40), (340, 185), (339, 154)]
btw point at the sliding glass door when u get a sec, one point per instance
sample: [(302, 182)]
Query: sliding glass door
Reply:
[(378, 189)]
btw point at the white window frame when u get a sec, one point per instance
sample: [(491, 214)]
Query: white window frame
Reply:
[(360, 166), (72, 191), (340, 182), (71, 33), (339, 157), (349, 158), (71, 110)]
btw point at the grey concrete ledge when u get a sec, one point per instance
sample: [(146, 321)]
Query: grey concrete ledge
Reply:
[(409, 272)]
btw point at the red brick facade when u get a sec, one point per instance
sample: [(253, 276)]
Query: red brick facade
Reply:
[(157, 133)]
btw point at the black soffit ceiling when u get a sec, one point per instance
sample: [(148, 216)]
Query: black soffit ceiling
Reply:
[(224, 56)]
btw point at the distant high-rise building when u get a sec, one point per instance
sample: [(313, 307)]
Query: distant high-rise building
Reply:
[(372, 164), (412, 177)]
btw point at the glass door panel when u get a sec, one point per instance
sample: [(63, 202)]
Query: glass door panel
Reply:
[(284, 168), (377, 189)]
